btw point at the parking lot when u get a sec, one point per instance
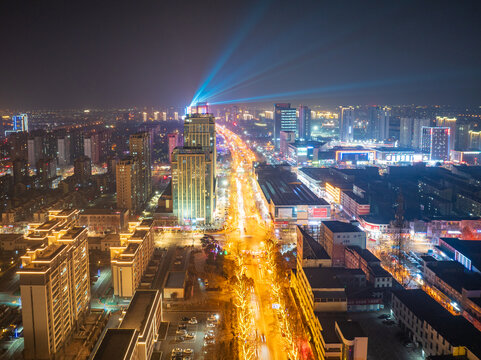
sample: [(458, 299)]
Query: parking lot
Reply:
[(385, 337), (189, 338)]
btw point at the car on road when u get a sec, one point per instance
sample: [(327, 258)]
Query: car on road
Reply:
[(188, 351), (212, 318), (181, 332), (185, 318), (177, 351), (182, 327), (388, 322), (177, 262), (384, 316), (193, 320), (189, 336), (211, 325)]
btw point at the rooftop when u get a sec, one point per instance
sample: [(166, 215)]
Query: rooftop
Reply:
[(455, 329), (139, 310), (365, 254), (104, 212), (175, 280), (329, 277), (340, 227), (355, 197), (311, 249), (117, 344), (350, 329), (282, 187)]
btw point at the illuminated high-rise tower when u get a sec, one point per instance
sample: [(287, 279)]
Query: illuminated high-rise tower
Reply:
[(435, 142), (193, 169), (193, 185), (285, 119)]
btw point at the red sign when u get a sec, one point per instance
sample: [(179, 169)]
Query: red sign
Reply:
[(319, 212)]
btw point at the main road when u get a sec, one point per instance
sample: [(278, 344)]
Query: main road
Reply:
[(247, 231)]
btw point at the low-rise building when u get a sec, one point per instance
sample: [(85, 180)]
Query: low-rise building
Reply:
[(357, 258), (175, 285), (336, 235), (289, 201), (310, 252), (103, 221), (432, 327), (353, 204)]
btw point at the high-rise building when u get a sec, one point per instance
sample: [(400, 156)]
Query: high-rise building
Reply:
[(474, 140), (54, 284), (379, 123), (418, 124), (144, 116), (20, 170), (126, 178), (411, 131), (140, 151), (193, 185), (92, 147), (82, 169), (285, 119), (156, 115), (444, 121), (36, 147), (435, 142), (346, 124), (46, 169), (406, 132), (287, 137), (199, 131), (173, 139), (18, 143), (463, 128), (20, 122), (63, 150), (304, 124)]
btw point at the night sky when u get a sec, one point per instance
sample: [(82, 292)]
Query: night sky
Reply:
[(150, 53)]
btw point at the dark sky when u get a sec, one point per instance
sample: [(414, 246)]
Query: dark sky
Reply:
[(148, 53)]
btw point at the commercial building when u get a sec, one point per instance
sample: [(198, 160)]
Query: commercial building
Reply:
[(130, 260), (466, 252), (432, 327), (353, 203), (104, 221), (346, 124), (397, 156), (54, 285), (193, 185), (304, 124), (304, 153), (288, 200), (199, 131), (127, 184), (336, 235), (135, 337), (435, 142), (285, 119)]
